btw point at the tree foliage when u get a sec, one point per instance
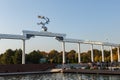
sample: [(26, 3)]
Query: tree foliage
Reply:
[(17, 59), (15, 56)]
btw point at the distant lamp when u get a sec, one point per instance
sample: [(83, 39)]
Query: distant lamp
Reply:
[(44, 21)]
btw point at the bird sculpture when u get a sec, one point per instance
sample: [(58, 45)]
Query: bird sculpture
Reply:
[(46, 21)]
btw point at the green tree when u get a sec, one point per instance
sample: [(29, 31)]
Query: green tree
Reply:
[(1, 59), (7, 58), (71, 56), (18, 56), (33, 57), (85, 57), (107, 55), (59, 57)]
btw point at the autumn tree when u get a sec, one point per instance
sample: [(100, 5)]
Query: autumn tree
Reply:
[(53, 56)]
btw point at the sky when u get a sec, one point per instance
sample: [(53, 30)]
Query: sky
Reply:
[(97, 20)]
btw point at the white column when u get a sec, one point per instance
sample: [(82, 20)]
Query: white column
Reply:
[(63, 46), (118, 54), (79, 57), (92, 59), (23, 54), (111, 54), (102, 50)]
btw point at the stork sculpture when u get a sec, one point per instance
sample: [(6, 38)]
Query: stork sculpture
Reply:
[(46, 21)]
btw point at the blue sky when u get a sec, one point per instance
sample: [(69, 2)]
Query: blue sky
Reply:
[(97, 20)]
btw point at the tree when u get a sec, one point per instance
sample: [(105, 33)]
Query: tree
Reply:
[(97, 55), (115, 57), (33, 57), (98, 59), (107, 55), (7, 58), (44, 54), (85, 57), (71, 56), (115, 54), (17, 57), (59, 57), (1, 59), (53, 56)]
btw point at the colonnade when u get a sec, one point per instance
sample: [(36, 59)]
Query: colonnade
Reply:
[(61, 37), (92, 54)]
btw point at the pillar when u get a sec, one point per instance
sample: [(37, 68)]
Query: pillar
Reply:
[(79, 57), (23, 54), (118, 54), (111, 54), (63, 46), (92, 58), (102, 50)]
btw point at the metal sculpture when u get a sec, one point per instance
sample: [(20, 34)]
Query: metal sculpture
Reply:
[(43, 23)]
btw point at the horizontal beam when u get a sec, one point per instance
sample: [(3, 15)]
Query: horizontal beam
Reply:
[(111, 44), (11, 36), (93, 42), (89, 42), (73, 40), (81, 41), (43, 33), (60, 37)]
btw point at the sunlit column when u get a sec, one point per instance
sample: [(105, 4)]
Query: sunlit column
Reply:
[(118, 54), (92, 53), (63, 46), (102, 50), (79, 57), (23, 54), (111, 54)]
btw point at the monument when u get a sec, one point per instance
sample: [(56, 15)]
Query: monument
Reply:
[(44, 22)]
